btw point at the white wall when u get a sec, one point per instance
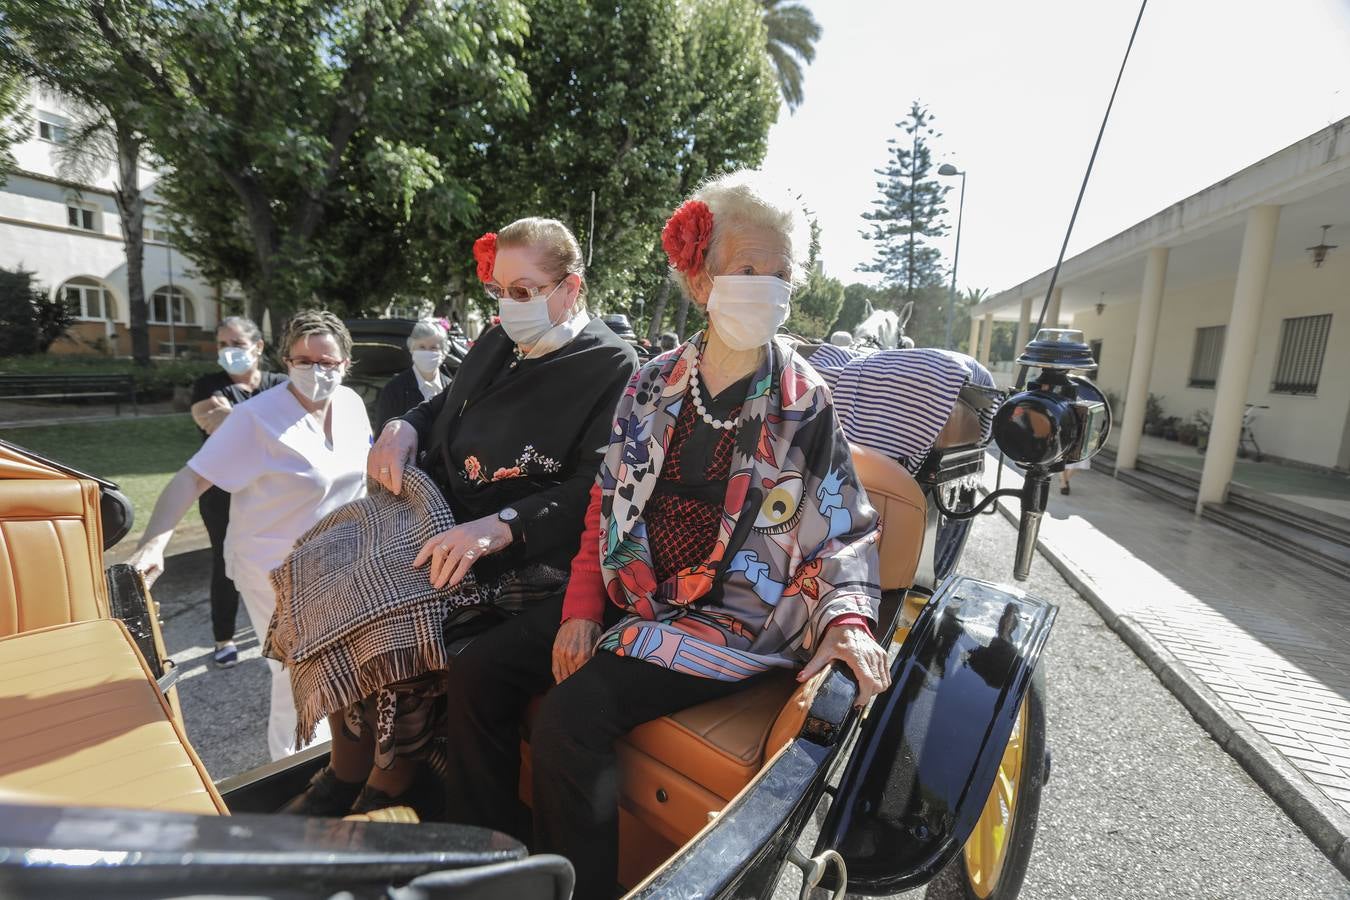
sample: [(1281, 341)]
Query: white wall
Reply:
[(1306, 428)]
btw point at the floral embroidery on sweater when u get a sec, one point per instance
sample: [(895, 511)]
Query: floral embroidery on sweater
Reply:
[(529, 462)]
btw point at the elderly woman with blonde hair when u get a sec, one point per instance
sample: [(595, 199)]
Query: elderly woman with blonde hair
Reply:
[(727, 536)]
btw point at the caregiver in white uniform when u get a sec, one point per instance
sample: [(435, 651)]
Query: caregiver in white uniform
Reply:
[(288, 457)]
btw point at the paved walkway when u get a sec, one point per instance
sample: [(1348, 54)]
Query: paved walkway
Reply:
[(1267, 634)]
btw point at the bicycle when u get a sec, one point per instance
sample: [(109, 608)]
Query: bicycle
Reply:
[(1246, 436)]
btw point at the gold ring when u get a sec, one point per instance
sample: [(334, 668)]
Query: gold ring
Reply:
[(445, 548), (384, 470)]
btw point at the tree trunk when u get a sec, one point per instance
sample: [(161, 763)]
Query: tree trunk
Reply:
[(682, 315), (131, 209), (659, 312)]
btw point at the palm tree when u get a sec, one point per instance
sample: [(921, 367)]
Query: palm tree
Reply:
[(792, 33)]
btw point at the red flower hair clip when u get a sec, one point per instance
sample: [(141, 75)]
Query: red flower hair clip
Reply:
[(686, 235), (485, 251)]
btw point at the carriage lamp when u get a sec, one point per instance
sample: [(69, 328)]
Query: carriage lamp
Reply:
[(1059, 418), (1319, 251)]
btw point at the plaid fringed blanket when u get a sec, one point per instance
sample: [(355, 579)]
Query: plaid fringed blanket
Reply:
[(352, 613)]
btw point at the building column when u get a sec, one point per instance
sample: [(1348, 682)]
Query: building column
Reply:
[(1023, 327), (1141, 364), (986, 335), (1239, 346), (973, 348), (1052, 314)]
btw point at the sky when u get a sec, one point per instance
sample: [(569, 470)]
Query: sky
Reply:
[(1018, 90)]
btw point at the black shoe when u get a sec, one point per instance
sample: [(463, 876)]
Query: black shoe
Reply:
[(1064, 489), (326, 795), (424, 796)]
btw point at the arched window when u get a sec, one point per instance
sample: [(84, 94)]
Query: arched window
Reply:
[(175, 300), (89, 299)]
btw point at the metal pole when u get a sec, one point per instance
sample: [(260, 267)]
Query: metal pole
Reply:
[(956, 258), (173, 344)]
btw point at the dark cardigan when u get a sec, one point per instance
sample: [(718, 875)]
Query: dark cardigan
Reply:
[(529, 434)]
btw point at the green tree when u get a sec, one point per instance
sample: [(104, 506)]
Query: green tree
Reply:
[(29, 320), (816, 305), (908, 213), (14, 123), (791, 33), (287, 126), (638, 102), (60, 46)]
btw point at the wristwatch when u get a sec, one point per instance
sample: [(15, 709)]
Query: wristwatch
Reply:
[(512, 520)]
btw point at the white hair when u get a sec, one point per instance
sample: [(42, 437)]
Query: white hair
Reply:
[(425, 328), (748, 197), (841, 339)]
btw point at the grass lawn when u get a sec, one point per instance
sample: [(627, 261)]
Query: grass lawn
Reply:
[(140, 454)]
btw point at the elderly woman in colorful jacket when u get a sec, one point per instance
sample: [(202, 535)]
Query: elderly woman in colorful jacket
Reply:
[(727, 536)]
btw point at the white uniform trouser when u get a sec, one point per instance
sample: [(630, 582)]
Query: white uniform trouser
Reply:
[(260, 601)]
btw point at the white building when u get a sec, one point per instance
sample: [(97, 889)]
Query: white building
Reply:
[(1217, 302), (70, 235)]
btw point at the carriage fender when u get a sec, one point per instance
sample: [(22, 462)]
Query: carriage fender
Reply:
[(929, 749)]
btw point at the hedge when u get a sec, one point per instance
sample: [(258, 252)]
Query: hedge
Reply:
[(156, 381)]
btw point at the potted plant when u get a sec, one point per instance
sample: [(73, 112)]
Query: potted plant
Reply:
[(1186, 434), (1170, 426), (1153, 416), (1202, 422)]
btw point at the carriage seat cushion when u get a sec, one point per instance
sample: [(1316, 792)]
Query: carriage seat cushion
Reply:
[(85, 724)]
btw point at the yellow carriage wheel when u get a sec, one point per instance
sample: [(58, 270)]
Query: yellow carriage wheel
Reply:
[(994, 860)]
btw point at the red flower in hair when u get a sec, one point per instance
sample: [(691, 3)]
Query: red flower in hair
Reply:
[(485, 251), (686, 235)]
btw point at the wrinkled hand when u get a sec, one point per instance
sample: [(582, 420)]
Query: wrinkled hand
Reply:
[(855, 648), (210, 413), (392, 452), (452, 553), (149, 561), (574, 645)]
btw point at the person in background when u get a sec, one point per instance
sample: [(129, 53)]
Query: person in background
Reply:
[(1067, 474), (428, 344), (841, 339), (669, 340), (240, 345), (288, 458)]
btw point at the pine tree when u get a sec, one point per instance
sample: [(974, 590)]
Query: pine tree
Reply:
[(909, 213)]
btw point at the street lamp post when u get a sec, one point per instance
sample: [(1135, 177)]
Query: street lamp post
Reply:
[(947, 169)]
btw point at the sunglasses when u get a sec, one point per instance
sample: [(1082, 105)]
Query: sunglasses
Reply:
[(517, 292)]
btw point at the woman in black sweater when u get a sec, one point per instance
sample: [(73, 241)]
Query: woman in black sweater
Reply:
[(515, 443)]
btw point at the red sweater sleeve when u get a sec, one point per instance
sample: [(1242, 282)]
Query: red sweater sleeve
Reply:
[(586, 596), (851, 619)]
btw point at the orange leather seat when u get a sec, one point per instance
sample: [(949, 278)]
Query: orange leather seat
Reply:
[(51, 551), (85, 724)]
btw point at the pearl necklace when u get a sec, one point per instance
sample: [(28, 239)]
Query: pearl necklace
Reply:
[(697, 397)]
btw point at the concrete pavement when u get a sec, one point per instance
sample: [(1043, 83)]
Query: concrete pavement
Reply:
[(1253, 643)]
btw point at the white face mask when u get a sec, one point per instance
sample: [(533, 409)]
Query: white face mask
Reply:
[(235, 360), (316, 383), (526, 321), (746, 310), (427, 362)]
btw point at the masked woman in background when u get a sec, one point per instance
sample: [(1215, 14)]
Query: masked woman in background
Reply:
[(428, 344), (514, 444), (239, 344)]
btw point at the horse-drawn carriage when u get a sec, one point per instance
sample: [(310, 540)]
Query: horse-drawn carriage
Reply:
[(102, 794)]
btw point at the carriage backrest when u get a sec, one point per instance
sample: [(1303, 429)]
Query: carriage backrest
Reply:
[(903, 513), (51, 546)]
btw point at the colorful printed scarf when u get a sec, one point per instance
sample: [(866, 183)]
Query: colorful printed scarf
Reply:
[(796, 545)]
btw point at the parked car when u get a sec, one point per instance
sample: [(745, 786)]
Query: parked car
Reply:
[(102, 794)]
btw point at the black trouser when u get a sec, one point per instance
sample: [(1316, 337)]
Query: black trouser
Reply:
[(214, 505), (575, 789)]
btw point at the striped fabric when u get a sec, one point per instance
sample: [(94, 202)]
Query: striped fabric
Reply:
[(896, 401)]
